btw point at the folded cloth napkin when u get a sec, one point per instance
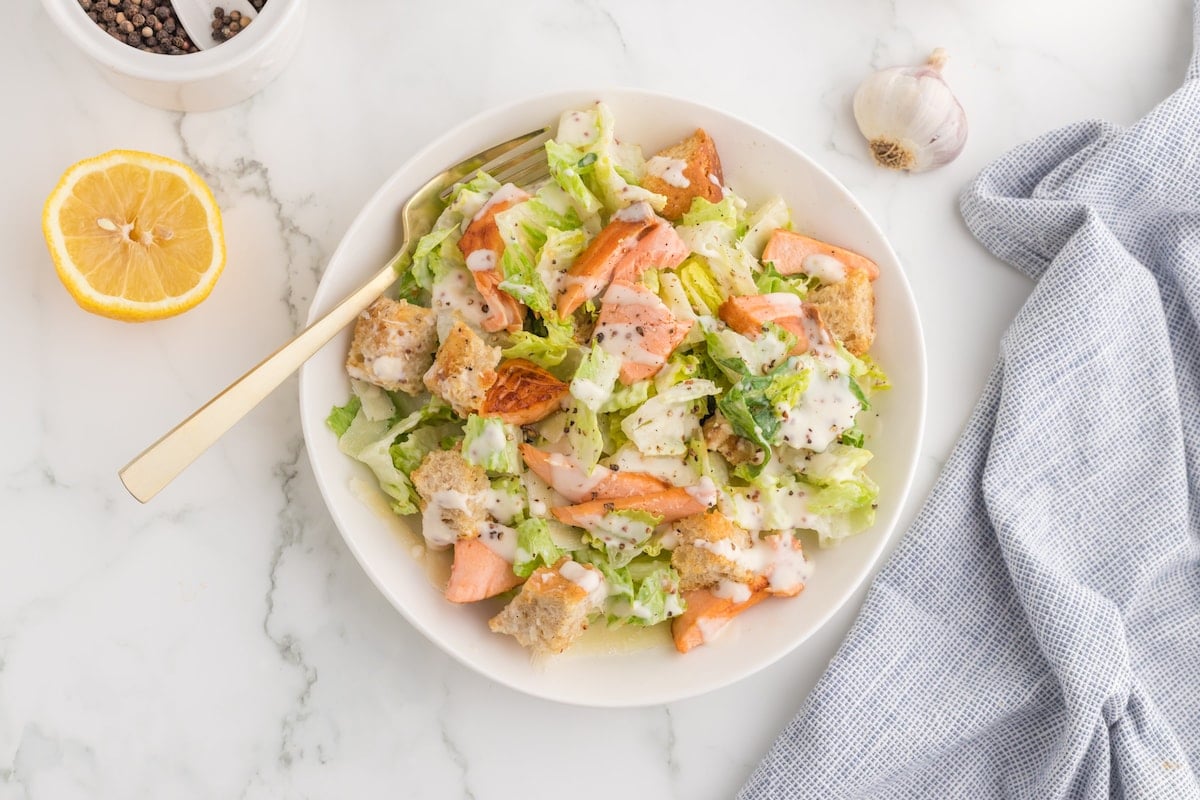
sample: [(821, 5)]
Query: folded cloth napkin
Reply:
[(1037, 632)]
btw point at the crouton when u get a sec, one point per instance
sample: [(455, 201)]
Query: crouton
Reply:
[(719, 436), (393, 345), (705, 553), (452, 496), (551, 611), (684, 172), (464, 369), (848, 310)]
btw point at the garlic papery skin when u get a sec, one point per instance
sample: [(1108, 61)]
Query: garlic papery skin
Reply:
[(910, 117)]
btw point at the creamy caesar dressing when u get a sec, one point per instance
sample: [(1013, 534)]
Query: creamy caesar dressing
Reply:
[(437, 532), (506, 193), (731, 590), (670, 170), (776, 557), (481, 260), (619, 531), (626, 341), (578, 127), (569, 480), (704, 492), (389, 368), (790, 305), (493, 439), (453, 293), (587, 578), (503, 506), (500, 539), (634, 212), (827, 408), (553, 272), (590, 285), (824, 268), (590, 393)]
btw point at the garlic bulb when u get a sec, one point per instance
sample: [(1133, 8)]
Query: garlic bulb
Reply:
[(910, 117)]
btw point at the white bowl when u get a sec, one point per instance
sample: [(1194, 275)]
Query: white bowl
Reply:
[(202, 81), (757, 166)]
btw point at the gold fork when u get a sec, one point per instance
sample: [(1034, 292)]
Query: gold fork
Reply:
[(521, 160)]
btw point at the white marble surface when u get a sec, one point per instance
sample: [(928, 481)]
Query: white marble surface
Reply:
[(222, 641)]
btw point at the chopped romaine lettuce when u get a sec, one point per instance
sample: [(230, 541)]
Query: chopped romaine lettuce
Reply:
[(765, 220), (376, 403), (535, 547), (769, 281), (595, 377), (491, 443), (726, 212), (546, 351), (646, 592), (613, 175), (340, 417), (664, 423), (623, 534), (584, 435), (699, 286), (737, 355)]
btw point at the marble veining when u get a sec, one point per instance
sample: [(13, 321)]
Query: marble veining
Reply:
[(223, 641)]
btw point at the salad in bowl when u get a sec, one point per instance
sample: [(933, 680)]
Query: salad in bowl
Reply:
[(622, 396)]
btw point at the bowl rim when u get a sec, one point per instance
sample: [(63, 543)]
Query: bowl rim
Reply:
[(164, 68), (918, 375)]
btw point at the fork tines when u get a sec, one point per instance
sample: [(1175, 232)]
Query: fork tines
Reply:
[(523, 163)]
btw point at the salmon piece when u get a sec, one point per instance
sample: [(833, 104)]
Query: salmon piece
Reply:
[(523, 393), (636, 326), (594, 267), (503, 312), (565, 477), (788, 250), (478, 573), (482, 246), (671, 504), (706, 615), (658, 246), (748, 314)]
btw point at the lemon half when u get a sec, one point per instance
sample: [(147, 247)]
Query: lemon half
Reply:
[(134, 236)]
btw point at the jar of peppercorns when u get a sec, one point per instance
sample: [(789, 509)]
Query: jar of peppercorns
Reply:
[(156, 52)]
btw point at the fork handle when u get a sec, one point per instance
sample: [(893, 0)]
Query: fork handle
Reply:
[(161, 462)]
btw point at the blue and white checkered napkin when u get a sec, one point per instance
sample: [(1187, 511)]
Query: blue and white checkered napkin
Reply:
[(1037, 632)]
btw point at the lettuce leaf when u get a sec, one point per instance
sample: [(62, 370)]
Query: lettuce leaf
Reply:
[(664, 423), (699, 286), (491, 443), (765, 220), (535, 547), (595, 377), (547, 351), (340, 417), (616, 170), (737, 355), (583, 434)]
